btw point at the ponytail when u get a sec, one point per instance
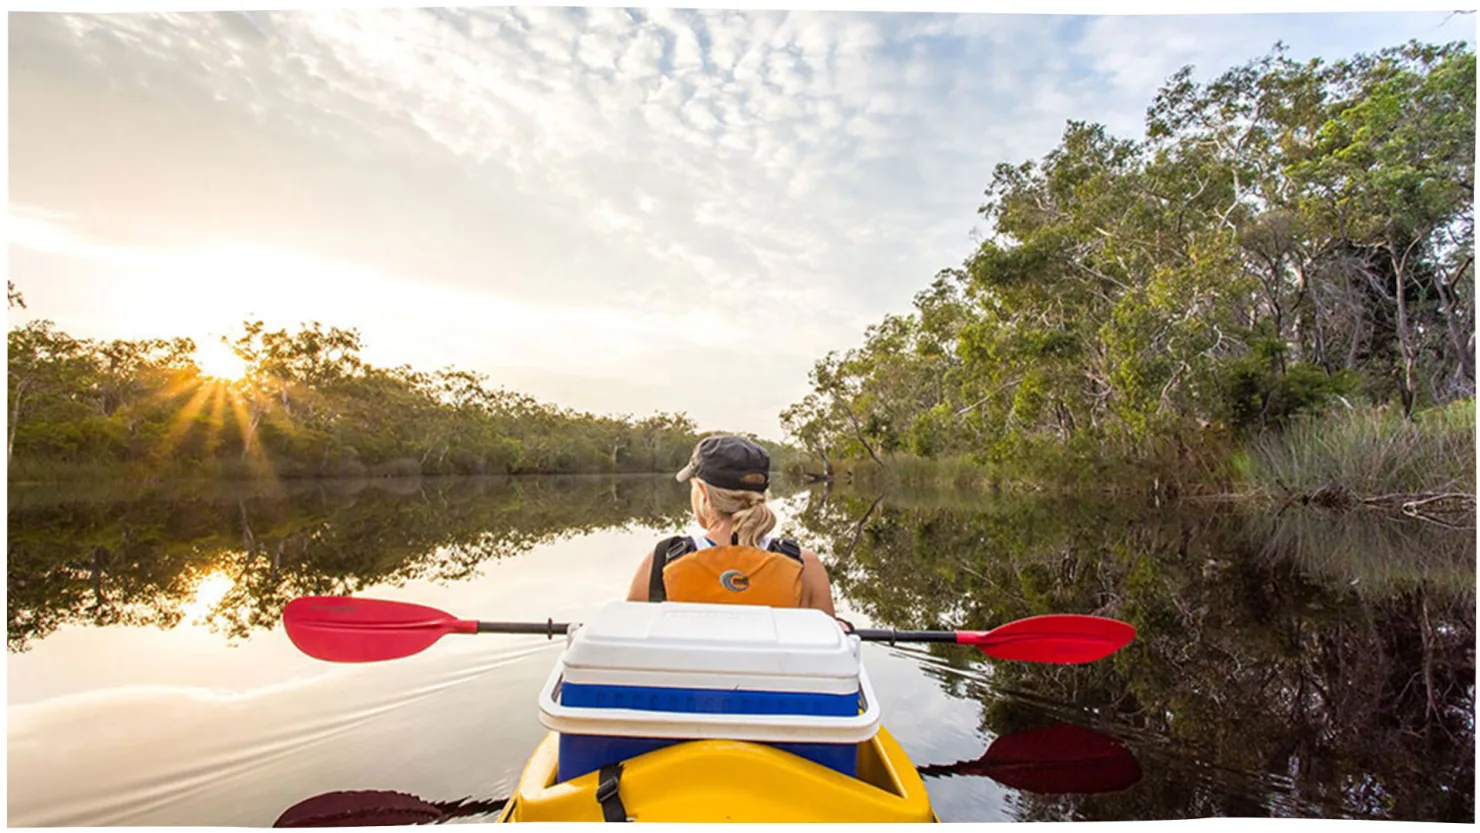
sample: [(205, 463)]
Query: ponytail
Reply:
[(753, 521), (747, 511)]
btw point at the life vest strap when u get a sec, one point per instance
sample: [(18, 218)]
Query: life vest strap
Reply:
[(666, 550), (671, 549)]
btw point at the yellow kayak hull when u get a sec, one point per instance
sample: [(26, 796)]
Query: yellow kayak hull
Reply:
[(730, 781)]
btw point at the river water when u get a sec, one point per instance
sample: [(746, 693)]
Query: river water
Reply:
[(1293, 664)]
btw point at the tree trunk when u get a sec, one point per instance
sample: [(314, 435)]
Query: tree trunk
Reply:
[(1462, 344), (826, 464), (858, 432), (10, 438), (1405, 338), (15, 418), (254, 418)]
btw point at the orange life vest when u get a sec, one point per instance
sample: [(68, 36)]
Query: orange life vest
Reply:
[(731, 574)]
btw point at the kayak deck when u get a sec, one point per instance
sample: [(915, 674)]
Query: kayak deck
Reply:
[(730, 781)]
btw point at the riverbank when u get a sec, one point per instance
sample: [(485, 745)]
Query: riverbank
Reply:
[(1163, 468), (25, 472), (1346, 458)]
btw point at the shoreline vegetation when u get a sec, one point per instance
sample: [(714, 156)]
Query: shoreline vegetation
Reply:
[(1341, 460), (281, 405), (1268, 298), (1422, 466)]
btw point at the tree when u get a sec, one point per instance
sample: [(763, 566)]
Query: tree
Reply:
[(1285, 235), (1393, 172)]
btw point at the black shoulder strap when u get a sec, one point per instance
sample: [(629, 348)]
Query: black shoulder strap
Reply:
[(608, 793), (786, 547), (666, 550)]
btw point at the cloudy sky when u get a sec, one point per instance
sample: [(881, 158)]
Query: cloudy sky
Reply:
[(619, 211)]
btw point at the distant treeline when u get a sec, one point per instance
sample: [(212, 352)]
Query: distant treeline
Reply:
[(308, 405), (1288, 238)]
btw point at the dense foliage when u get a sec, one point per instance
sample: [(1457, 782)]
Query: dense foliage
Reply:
[(1286, 236), (307, 405)]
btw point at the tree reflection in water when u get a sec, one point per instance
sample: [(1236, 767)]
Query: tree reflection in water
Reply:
[(1301, 665), (1298, 664), (99, 560)]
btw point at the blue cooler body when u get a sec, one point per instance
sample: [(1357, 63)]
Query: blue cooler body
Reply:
[(642, 676), (580, 754)]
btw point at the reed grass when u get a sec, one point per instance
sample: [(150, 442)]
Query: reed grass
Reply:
[(1367, 453)]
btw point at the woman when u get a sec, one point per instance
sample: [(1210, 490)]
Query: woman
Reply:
[(728, 478)]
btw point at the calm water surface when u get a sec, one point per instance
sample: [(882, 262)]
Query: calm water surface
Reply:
[(1291, 665)]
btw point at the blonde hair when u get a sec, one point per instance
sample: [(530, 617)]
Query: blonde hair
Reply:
[(749, 516)]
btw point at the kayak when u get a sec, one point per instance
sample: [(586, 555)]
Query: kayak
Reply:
[(714, 713), (729, 781)]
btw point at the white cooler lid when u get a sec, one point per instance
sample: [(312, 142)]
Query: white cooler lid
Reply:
[(678, 637)]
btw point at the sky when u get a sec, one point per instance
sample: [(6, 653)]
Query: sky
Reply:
[(619, 211)]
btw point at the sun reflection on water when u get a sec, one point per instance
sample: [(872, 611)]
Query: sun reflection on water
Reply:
[(209, 592)]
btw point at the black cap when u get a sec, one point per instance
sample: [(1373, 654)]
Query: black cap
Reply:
[(729, 463)]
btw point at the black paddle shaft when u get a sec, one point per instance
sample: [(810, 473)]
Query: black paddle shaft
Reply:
[(892, 636), (549, 627)]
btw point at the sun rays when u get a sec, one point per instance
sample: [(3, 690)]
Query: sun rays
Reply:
[(219, 392)]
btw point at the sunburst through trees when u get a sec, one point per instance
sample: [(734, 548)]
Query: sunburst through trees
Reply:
[(267, 403)]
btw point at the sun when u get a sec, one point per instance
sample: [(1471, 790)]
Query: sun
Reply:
[(218, 361)]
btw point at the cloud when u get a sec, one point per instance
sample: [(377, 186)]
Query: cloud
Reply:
[(808, 170)]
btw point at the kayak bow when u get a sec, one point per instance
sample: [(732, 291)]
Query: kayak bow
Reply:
[(728, 781)]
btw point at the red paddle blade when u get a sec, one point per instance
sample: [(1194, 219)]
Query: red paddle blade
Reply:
[(344, 629), (1054, 760), (381, 808), (360, 808), (1063, 638), (1061, 759)]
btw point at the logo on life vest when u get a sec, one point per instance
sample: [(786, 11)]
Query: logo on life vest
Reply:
[(734, 580)]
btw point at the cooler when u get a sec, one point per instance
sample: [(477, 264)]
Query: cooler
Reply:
[(638, 676)]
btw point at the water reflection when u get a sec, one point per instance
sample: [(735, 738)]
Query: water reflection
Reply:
[(1303, 665), (236, 555), (207, 596), (1299, 664)]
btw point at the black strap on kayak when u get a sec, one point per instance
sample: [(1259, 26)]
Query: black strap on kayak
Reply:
[(608, 793)]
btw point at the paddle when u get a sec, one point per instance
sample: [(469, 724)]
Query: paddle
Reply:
[(345, 629), (378, 808), (1054, 760), (1051, 760)]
